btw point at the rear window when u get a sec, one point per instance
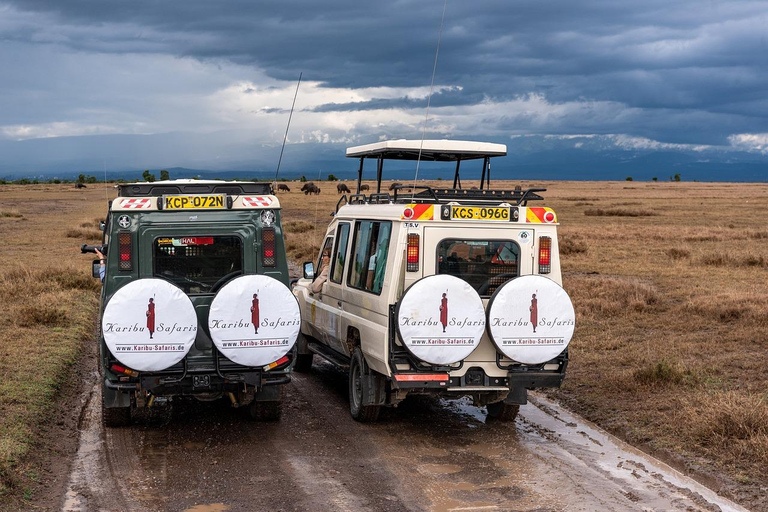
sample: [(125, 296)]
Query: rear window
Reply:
[(484, 264), (197, 263)]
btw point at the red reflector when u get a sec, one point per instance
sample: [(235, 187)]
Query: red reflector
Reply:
[(412, 255), (125, 243), (545, 255), (421, 377), (268, 246)]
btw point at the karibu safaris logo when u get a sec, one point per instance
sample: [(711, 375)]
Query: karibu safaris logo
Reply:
[(254, 320), (441, 319), (149, 324), (531, 319)]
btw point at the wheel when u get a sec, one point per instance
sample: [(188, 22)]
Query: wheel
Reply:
[(265, 410), (115, 416), (503, 412), (303, 362), (358, 388)]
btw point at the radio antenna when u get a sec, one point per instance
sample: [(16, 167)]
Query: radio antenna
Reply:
[(429, 100), (106, 189), (285, 137)]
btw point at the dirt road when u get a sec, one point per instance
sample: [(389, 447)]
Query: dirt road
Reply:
[(429, 454)]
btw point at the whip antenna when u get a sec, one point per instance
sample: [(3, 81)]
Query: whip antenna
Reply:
[(429, 100), (285, 137)]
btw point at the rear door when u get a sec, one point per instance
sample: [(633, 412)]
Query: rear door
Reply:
[(484, 257)]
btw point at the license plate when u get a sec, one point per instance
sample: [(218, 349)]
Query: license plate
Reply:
[(196, 202), (479, 213)]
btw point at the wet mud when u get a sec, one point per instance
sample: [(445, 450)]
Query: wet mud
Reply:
[(428, 454)]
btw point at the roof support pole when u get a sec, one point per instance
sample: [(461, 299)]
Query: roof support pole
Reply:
[(456, 179), (360, 175), (379, 166), (482, 177), (488, 186)]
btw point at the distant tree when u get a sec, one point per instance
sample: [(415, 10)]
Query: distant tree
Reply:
[(331, 177), (91, 179), (303, 178), (148, 176), (81, 178), (655, 178), (165, 175), (677, 177), (35, 182), (629, 178)]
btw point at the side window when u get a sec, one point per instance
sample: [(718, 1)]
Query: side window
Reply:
[(327, 248), (484, 264), (339, 257), (369, 255)]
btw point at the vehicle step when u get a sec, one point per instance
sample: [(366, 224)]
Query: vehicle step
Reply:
[(330, 355)]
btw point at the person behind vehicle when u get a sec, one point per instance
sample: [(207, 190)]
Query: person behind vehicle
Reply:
[(322, 277)]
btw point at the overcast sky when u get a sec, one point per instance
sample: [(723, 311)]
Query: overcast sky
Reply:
[(683, 72)]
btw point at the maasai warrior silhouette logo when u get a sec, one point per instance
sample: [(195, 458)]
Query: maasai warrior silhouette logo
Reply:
[(151, 317), (255, 313), (444, 311), (534, 309)]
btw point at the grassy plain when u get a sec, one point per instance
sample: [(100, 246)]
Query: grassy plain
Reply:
[(669, 281)]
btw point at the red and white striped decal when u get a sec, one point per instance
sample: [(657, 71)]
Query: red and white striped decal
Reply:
[(257, 201), (136, 204)]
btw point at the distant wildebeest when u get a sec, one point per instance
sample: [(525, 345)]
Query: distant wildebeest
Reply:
[(283, 187), (80, 185), (363, 188), (341, 188), (306, 187), (392, 186)]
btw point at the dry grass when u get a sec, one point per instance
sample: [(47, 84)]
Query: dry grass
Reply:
[(618, 212), (12, 214)]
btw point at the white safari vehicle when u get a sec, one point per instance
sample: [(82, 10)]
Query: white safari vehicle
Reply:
[(449, 291)]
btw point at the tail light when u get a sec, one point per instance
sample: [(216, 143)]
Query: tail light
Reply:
[(268, 246), (412, 257), (126, 371), (277, 363), (125, 249), (545, 255)]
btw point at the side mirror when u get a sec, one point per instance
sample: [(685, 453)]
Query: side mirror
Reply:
[(102, 225), (95, 268), (309, 270)]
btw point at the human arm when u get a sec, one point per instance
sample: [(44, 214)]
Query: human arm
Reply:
[(317, 284)]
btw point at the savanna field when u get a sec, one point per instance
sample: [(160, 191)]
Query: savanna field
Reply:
[(669, 281)]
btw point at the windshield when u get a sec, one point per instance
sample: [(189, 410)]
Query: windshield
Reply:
[(484, 264), (197, 263)]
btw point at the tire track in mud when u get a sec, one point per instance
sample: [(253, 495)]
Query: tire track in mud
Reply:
[(428, 454)]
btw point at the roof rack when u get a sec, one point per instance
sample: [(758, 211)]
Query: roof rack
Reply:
[(161, 188), (517, 197)]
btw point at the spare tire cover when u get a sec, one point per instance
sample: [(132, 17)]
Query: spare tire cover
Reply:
[(254, 320), (149, 324), (440, 319), (531, 319)]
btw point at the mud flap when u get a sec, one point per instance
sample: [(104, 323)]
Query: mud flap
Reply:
[(114, 398), (269, 394), (517, 395), (374, 388)]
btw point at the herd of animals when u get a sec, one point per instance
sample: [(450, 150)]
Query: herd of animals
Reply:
[(310, 188)]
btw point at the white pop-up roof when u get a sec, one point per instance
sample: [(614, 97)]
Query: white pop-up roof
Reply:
[(431, 150)]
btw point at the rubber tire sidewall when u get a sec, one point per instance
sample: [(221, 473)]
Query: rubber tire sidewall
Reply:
[(360, 412), (501, 411)]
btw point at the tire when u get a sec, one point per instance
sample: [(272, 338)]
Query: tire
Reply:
[(304, 362), (503, 412), (358, 389), (265, 411), (115, 417)]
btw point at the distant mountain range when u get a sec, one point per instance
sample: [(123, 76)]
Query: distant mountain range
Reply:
[(232, 155)]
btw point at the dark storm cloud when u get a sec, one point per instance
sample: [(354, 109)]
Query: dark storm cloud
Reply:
[(685, 71)]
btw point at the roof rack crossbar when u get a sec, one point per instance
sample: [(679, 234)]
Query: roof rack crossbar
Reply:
[(428, 194)]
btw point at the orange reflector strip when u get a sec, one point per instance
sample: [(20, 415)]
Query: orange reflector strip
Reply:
[(421, 377)]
